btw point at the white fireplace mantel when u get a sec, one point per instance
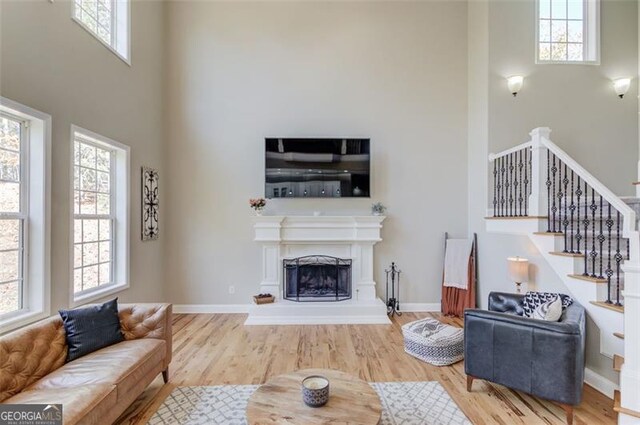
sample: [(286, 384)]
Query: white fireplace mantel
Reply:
[(349, 237)]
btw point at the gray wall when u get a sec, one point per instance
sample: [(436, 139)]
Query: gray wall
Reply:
[(51, 64), (588, 121), (394, 72)]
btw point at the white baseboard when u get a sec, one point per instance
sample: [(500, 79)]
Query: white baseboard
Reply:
[(318, 320), (600, 383), (210, 308), (419, 307), (244, 308)]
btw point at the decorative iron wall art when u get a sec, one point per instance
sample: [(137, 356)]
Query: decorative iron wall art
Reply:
[(150, 204)]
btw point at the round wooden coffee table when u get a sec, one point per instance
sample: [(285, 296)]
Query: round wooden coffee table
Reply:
[(279, 401)]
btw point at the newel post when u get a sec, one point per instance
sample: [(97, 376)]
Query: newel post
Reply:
[(538, 200)]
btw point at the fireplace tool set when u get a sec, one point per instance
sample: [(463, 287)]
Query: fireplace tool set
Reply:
[(393, 303)]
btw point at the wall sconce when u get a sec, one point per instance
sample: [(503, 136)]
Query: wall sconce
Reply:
[(518, 270), (515, 84), (621, 86)]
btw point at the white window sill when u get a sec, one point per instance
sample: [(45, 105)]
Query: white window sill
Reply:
[(21, 319), (97, 294)]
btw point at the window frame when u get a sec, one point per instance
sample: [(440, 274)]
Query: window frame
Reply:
[(35, 214), (22, 216), (590, 35), (80, 138), (120, 33), (119, 213)]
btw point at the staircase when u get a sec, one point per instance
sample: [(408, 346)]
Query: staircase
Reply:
[(588, 235)]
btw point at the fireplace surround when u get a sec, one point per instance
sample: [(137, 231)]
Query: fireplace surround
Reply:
[(350, 238), (317, 278)]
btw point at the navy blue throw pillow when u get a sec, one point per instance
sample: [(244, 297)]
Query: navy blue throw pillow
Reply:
[(91, 328)]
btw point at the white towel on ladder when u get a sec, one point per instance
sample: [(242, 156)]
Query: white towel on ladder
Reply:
[(456, 263)]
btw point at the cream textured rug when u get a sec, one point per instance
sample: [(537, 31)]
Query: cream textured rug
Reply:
[(403, 403)]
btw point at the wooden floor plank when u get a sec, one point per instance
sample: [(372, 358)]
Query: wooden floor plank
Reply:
[(217, 349)]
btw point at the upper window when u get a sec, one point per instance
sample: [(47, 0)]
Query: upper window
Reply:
[(24, 266), (100, 205), (107, 20), (567, 31)]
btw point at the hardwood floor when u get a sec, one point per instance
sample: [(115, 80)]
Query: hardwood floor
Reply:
[(217, 349)]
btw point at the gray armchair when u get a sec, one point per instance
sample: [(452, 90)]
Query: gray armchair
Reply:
[(544, 359)]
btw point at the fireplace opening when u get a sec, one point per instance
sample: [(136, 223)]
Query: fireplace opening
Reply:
[(317, 278)]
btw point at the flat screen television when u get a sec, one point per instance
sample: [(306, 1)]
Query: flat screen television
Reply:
[(317, 168)]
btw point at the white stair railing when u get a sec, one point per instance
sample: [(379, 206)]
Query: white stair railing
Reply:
[(593, 221)]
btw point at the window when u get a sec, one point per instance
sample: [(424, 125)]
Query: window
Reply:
[(13, 213), (100, 215), (24, 168), (107, 20), (567, 31)]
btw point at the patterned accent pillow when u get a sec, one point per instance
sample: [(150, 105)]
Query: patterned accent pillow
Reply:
[(533, 300), (89, 329), (550, 311)]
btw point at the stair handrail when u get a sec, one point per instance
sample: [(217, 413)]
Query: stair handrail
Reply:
[(628, 214), (541, 145), (494, 156)]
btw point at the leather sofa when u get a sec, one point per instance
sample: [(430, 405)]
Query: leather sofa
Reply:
[(93, 389), (544, 359)]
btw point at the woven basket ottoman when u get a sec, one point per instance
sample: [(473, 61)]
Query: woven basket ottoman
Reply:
[(433, 342)]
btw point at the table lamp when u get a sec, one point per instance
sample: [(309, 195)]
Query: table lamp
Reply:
[(518, 270)]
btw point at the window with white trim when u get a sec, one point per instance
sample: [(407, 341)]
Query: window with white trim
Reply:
[(567, 31), (24, 225), (13, 212), (100, 217), (107, 20)]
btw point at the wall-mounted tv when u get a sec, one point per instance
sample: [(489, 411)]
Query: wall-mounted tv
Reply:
[(317, 168)]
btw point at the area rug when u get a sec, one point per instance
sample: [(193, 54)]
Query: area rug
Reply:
[(403, 403)]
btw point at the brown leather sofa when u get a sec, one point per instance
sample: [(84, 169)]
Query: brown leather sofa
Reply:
[(96, 388)]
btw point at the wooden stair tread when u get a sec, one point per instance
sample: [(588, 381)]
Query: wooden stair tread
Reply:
[(567, 254), (636, 183), (518, 217), (620, 409), (548, 233), (619, 335), (588, 278), (619, 309), (618, 361)]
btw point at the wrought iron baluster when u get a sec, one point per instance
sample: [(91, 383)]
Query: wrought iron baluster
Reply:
[(519, 182), (527, 170), (548, 183), (507, 186), (578, 234), (609, 270), (554, 208), (586, 223), (565, 219), (572, 209), (495, 187), (601, 239), (594, 253), (618, 259), (503, 190), (511, 167)]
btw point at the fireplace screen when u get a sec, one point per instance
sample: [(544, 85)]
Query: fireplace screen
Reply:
[(317, 278)]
